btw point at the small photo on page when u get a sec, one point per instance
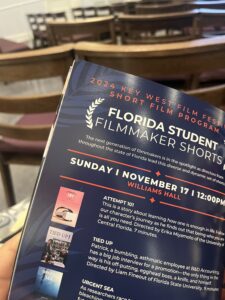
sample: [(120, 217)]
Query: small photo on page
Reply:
[(48, 282), (56, 247), (67, 206)]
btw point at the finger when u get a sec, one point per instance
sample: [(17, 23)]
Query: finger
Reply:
[(8, 252), (8, 255)]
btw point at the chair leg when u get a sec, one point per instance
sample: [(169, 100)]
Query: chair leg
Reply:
[(7, 182)]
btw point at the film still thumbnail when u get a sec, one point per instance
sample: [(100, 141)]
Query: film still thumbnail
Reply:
[(67, 207), (56, 248), (47, 283)]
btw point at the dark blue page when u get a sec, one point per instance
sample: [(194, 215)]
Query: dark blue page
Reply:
[(130, 202)]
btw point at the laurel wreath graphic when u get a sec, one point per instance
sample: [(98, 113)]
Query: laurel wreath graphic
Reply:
[(91, 110)]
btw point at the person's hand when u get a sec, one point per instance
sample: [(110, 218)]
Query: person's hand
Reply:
[(7, 259), (223, 287)]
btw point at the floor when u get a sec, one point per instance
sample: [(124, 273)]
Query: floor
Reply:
[(24, 177)]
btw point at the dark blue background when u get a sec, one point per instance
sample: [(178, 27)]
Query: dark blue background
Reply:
[(70, 126)]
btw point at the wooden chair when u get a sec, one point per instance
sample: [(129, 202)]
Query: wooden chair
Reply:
[(38, 27), (98, 29), (162, 62), (23, 142), (159, 28)]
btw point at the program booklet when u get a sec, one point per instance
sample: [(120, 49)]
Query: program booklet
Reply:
[(130, 200)]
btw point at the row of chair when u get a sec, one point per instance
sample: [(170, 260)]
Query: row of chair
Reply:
[(185, 25), (139, 29), (38, 21), (145, 7), (113, 9), (191, 63), (38, 24)]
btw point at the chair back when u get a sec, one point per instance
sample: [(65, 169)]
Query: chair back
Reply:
[(98, 29), (23, 138), (214, 95), (84, 12), (38, 26), (105, 10), (32, 65), (189, 59), (167, 27), (77, 12), (88, 12)]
